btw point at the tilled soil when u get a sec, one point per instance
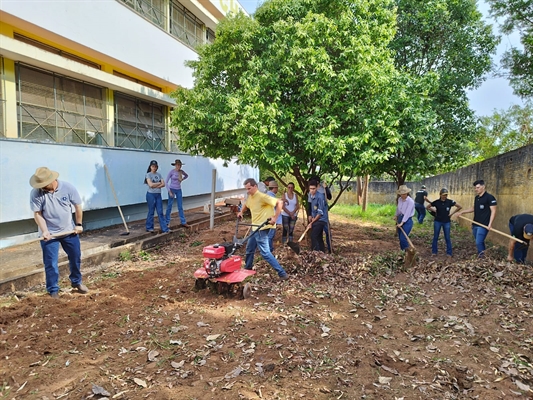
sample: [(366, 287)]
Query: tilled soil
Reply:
[(353, 325)]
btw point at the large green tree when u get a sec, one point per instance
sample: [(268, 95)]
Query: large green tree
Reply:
[(306, 87), (504, 131), (447, 38), (517, 16)]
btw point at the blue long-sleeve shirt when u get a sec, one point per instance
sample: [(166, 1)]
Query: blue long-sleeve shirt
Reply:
[(319, 206)]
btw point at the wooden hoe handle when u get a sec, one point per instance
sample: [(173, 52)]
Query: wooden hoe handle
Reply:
[(493, 230)]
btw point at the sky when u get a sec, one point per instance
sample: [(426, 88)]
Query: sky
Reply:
[(494, 94)]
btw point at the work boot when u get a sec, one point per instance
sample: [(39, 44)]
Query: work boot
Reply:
[(54, 295), (186, 225), (81, 288), (284, 277)]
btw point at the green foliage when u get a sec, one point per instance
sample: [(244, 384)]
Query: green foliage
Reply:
[(125, 255), (307, 87), (516, 16), (447, 38), (503, 131), (144, 255)]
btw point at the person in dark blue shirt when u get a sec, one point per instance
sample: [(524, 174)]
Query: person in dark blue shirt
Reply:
[(521, 227), (421, 196), (442, 208), (318, 219)]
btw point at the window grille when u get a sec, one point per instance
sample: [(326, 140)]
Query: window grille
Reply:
[(53, 107), (185, 26), (209, 35), (139, 124), (153, 10)]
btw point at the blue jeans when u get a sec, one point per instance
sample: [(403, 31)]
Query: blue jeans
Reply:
[(178, 196), (260, 239), (479, 235), (421, 212), (436, 232), (271, 235), (520, 250), (71, 245), (155, 202), (407, 226)]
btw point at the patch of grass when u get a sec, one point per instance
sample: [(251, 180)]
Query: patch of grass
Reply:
[(110, 275), (125, 255), (196, 243), (381, 214), (144, 255)]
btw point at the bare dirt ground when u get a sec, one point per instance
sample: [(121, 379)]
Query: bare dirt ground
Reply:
[(353, 325)]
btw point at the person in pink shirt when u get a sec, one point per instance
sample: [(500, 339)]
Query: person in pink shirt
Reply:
[(404, 215), (174, 179)]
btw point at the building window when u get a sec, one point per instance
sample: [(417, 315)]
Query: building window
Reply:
[(139, 124), (53, 107), (185, 26), (154, 11), (209, 35)]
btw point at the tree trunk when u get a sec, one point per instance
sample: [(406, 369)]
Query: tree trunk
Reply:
[(359, 191), (365, 191)]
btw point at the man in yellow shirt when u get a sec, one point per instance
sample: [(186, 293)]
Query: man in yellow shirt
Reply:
[(261, 206)]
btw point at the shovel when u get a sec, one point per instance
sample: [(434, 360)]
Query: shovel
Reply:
[(295, 246), (410, 253)]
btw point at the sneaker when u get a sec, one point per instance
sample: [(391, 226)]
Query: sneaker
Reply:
[(284, 277), (54, 295), (81, 288), (434, 254), (169, 231), (150, 230)]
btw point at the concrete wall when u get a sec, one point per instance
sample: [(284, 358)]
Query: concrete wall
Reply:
[(508, 177), (83, 166)]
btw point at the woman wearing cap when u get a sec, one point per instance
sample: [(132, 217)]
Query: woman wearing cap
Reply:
[(155, 182), (442, 208), (521, 227), (404, 215), (174, 179)]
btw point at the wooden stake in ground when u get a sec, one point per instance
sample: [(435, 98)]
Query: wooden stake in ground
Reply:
[(410, 253)]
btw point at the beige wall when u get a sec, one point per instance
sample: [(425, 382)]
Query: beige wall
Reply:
[(508, 177)]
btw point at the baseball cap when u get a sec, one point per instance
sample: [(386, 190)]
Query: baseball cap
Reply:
[(528, 231), (443, 191), (272, 184), (153, 162), (423, 186)]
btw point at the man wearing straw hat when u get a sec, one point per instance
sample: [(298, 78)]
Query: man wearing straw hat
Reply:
[(51, 202), (404, 215)]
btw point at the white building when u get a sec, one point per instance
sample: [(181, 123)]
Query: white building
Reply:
[(85, 84)]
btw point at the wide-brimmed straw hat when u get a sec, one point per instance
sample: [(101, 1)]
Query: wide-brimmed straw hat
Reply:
[(43, 177), (403, 189), (272, 184)]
